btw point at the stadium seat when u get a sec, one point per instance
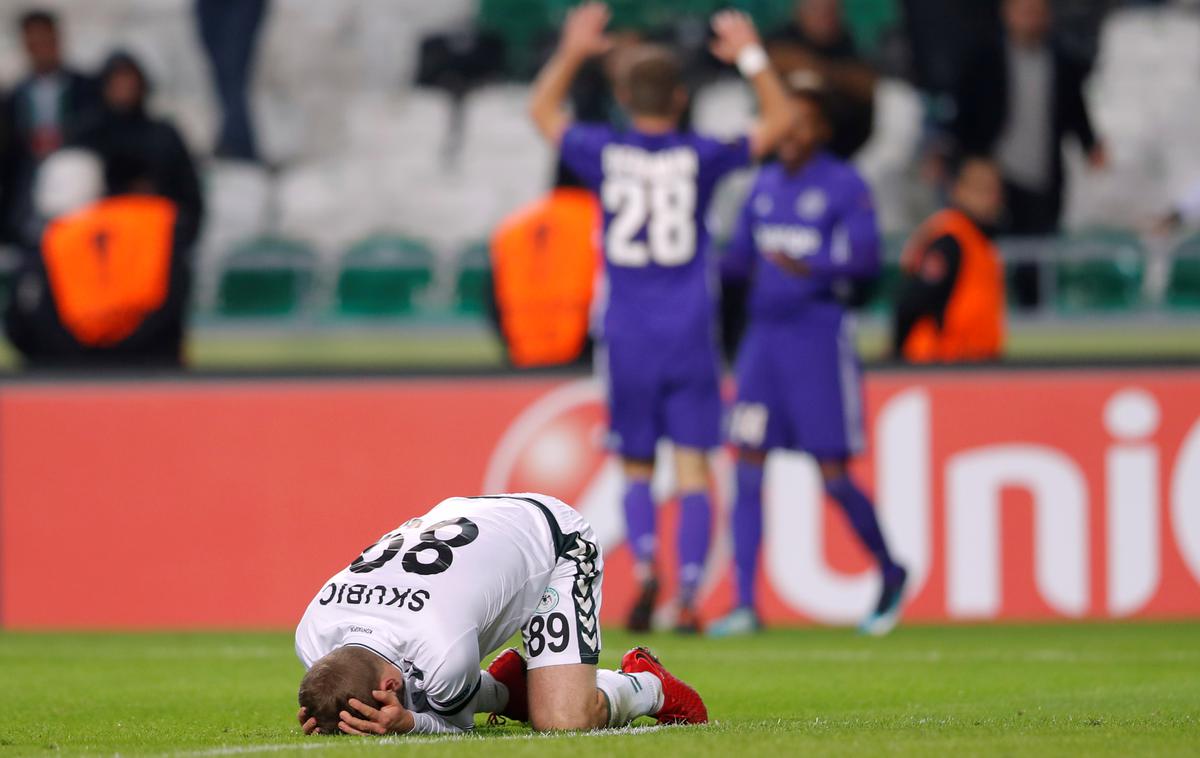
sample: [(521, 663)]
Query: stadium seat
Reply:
[(883, 297), (1183, 291), (1183, 285), (327, 203), (521, 23), (266, 277), (724, 108), (413, 127), (473, 286), (238, 200), (869, 19), (381, 276), (1099, 271)]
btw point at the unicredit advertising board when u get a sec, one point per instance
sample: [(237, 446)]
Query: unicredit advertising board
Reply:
[(1010, 495)]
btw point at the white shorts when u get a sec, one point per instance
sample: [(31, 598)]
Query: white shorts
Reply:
[(565, 626)]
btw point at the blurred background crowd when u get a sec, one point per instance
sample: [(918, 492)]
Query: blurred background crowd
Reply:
[(332, 164)]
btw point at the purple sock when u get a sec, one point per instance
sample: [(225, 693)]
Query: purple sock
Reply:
[(861, 512), (639, 521), (695, 526), (747, 530)]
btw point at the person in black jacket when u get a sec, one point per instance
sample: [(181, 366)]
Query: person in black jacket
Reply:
[(43, 112), (107, 283), (132, 142), (1017, 102)]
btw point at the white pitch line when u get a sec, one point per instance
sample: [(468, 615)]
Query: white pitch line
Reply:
[(1047, 655), (326, 743)]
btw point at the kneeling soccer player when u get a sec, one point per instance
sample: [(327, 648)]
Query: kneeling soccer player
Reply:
[(393, 642)]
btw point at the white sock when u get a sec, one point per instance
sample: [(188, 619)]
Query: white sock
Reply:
[(492, 696), (630, 695)]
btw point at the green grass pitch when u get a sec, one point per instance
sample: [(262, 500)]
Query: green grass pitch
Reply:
[(1088, 689)]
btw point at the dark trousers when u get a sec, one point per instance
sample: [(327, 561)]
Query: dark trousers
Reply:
[(229, 31), (1030, 214)]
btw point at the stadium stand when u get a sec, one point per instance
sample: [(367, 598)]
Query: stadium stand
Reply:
[(355, 153)]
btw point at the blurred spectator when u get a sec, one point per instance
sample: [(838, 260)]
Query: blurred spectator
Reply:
[(229, 31), (817, 43), (108, 283), (42, 113), (950, 303), (546, 260), (131, 142), (1018, 101)]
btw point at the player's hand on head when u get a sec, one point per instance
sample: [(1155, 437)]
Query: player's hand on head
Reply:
[(583, 33), (307, 723), (390, 718), (735, 32)]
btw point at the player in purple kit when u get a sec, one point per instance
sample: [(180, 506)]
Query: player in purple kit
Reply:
[(655, 183), (806, 236)]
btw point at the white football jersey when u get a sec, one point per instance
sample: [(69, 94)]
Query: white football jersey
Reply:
[(440, 592)]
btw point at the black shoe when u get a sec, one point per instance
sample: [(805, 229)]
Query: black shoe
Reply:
[(643, 608)]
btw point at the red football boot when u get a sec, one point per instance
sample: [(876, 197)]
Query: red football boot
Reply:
[(509, 670), (681, 703)]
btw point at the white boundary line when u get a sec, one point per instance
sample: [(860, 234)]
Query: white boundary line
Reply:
[(328, 743)]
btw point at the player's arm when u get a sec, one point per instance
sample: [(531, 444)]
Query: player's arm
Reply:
[(583, 36), (856, 251), (391, 717), (738, 43)]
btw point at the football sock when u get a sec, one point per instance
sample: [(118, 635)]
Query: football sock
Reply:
[(747, 529), (861, 512), (492, 697), (639, 522), (630, 695), (695, 528)]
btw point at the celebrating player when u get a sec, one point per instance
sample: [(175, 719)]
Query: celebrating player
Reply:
[(806, 233), (655, 183), (393, 642)]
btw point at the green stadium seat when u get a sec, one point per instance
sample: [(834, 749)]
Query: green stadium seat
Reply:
[(381, 275), (265, 277), (885, 288), (1183, 289), (521, 23), (1098, 271), (868, 20), (473, 286)]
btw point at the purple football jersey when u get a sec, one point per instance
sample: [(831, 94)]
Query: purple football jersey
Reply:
[(798, 377), (822, 215), (655, 189)]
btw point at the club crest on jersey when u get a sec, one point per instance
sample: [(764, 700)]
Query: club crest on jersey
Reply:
[(811, 204), (548, 602)]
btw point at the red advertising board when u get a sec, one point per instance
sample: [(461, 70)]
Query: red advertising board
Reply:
[(1010, 495)]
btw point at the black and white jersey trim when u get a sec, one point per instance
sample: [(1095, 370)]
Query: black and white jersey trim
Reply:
[(458, 702)]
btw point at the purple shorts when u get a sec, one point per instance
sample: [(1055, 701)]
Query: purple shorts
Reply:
[(799, 387), (658, 389)]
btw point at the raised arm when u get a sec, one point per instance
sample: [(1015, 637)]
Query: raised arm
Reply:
[(583, 36), (738, 43)]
